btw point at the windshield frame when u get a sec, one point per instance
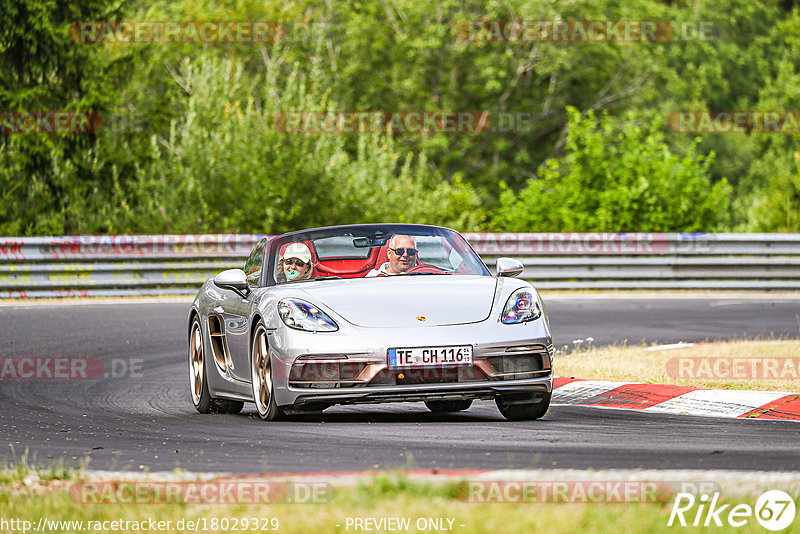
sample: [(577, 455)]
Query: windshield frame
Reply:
[(365, 230)]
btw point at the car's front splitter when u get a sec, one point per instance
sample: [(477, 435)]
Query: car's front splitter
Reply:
[(424, 392)]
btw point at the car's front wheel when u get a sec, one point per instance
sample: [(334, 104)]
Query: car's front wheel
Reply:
[(198, 377), (448, 406), (516, 408), (261, 373)]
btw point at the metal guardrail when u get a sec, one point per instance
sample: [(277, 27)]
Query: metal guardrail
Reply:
[(86, 266)]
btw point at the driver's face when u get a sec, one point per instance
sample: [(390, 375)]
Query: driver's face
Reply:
[(293, 264), (401, 263)]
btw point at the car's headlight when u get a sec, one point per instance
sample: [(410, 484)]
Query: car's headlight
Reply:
[(522, 306), (302, 315)]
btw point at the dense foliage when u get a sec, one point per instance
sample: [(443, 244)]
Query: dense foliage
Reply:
[(608, 181), (190, 141)]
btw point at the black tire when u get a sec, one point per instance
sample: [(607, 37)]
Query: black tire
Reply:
[(227, 406), (516, 408), (448, 406), (261, 377), (198, 377)]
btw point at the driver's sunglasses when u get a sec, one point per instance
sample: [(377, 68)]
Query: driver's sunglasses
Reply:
[(401, 251), (293, 261)]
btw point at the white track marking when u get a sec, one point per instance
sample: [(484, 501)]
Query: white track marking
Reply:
[(582, 391), (717, 402)]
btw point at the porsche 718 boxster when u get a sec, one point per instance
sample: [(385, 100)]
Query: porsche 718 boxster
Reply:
[(369, 313)]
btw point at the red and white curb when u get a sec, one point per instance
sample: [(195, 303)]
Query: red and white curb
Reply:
[(661, 398)]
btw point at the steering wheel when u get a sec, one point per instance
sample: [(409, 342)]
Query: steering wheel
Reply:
[(427, 268)]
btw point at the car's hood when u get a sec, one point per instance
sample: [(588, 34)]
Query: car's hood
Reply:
[(401, 301)]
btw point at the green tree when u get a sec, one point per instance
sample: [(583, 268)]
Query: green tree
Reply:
[(615, 179), (776, 207), (767, 196), (226, 166), (42, 69)]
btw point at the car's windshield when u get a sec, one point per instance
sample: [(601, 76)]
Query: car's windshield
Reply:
[(370, 251)]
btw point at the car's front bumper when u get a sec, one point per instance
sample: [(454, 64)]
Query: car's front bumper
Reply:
[(426, 392), (378, 383)]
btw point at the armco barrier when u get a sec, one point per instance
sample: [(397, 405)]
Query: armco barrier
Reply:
[(84, 266), (172, 264)]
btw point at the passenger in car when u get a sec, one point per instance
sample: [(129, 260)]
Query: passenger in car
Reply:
[(295, 264), (402, 254)]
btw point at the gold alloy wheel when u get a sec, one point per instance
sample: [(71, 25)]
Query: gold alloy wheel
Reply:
[(196, 363), (262, 377)]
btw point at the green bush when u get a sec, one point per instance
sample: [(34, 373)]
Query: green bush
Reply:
[(226, 167), (776, 208), (616, 177)]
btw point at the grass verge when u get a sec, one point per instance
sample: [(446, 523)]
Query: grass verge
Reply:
[(427, 507), (752, 365), (26, 472)]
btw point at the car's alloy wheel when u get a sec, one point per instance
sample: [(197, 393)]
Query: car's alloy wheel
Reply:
[(261, 373), (447, 406), (197, 370), (517, 409), (198, 379)]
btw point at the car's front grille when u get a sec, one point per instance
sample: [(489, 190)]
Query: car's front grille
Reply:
[(501, 363), (441, 375), (429, 375), (310, 374), (520, 363)]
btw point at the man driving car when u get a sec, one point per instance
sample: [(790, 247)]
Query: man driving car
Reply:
[(402, 255)]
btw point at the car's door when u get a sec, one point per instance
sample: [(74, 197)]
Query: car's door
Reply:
[(236, 310)]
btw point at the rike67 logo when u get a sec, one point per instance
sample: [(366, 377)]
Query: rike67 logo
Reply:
[(774, 510)]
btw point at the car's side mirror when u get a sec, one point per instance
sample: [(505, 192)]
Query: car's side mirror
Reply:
[(509, 267), (233, 279)]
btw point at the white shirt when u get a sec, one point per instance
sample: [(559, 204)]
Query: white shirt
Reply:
[(380, 270)]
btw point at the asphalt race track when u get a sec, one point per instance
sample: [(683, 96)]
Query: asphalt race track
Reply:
[(141, 416)]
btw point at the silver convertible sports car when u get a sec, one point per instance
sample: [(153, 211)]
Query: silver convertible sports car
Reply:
[(369, 313)]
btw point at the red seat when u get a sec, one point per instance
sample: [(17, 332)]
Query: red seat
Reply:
[(383, 255), (347, 267)]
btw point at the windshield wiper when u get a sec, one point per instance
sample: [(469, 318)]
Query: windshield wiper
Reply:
[(328, 278)]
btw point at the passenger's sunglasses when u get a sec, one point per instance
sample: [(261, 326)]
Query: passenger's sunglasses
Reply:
[(293, 261), (401, 251)]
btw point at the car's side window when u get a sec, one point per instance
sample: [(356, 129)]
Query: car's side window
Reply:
[(252, 267)]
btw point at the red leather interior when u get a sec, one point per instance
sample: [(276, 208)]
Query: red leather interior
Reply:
[(351, 268), (348, 268), (383, 255)]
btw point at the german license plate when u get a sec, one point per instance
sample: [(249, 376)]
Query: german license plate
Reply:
[(430, 356)]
